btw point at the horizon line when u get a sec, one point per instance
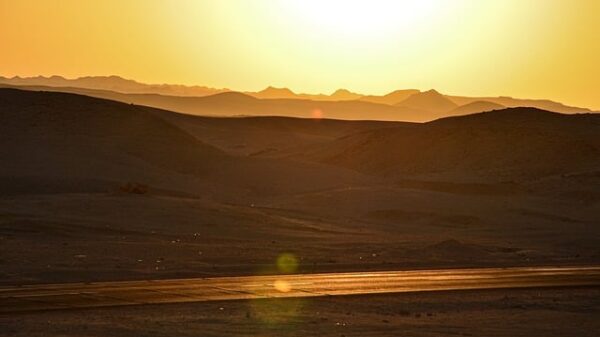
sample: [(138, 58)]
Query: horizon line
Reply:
[(225, 89)]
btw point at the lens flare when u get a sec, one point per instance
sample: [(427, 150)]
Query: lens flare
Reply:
[(317, 113), (287, 263), (282, 286)]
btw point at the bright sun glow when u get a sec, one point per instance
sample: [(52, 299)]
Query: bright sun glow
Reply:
[(365, 18), (521, 48)]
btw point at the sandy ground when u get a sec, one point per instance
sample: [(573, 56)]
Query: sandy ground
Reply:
[(104, 236), (549, 312)]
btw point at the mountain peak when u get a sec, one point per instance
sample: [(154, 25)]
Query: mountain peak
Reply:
[(271, 92), (341, 92), (345, 94), (432, 92), (430, 100), (271, 89)]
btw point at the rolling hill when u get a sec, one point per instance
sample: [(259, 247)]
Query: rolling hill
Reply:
[(475, 107), (66, 142), (501, 145)]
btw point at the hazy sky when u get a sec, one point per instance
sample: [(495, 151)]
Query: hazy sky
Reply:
[(522, 48)]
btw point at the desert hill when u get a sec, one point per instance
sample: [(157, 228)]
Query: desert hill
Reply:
[(500, 145), (272, 92), (268, 136), (344, 95), (511, 102), (475, 107), (71, 137), (435, 104), (65, 140)]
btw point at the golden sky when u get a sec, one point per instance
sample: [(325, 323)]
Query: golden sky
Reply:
[(522, 48)]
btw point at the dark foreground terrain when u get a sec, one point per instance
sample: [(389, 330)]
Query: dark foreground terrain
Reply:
[(550, 312), (98, 190), (95, 190)]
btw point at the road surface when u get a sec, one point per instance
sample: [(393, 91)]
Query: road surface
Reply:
[(102, 294)]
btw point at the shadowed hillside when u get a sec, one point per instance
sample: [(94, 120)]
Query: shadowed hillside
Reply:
[(499, 145), (269, 136), (54, 141)]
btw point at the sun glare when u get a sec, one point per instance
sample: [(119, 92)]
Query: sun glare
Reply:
[(364, 18)]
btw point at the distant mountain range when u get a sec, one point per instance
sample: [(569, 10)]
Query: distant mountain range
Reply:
[(113, 83), (405, 105)]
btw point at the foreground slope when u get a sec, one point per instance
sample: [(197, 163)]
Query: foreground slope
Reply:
[(64, 141), (69, 136)]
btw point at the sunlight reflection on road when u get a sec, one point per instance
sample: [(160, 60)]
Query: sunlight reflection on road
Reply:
[(282, 286)]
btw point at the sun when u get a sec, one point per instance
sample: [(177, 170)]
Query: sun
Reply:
[(368, 18)]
